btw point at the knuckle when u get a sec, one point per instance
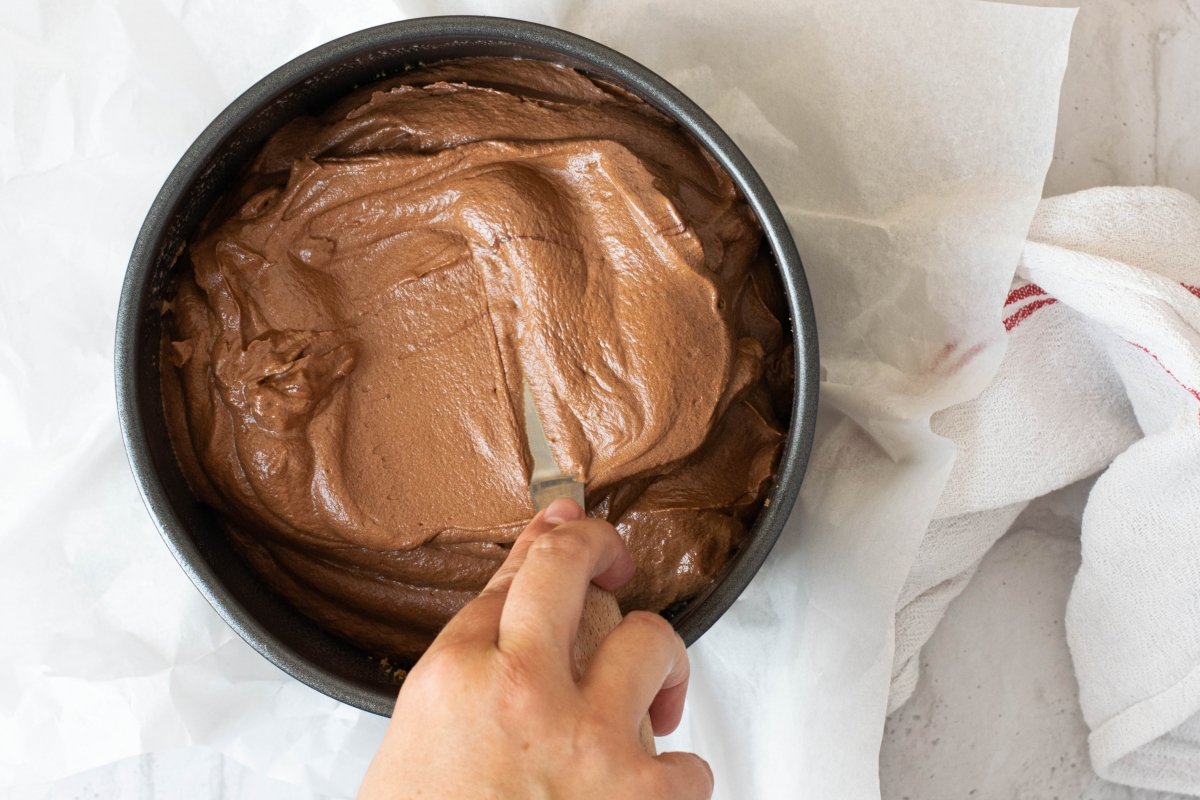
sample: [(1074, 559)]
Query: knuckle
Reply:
[(590, 735), (570, 545), (597, 530), (441, 671), (650, 624), (687, 775), (595, 525), (656, 783)]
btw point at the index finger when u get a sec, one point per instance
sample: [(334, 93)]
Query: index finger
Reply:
[(544, 605), (479, 620)]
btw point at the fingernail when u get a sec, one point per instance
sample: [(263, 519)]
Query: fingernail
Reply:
[(562, 510)]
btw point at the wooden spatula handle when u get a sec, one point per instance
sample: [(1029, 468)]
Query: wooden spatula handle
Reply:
[(600, 615)]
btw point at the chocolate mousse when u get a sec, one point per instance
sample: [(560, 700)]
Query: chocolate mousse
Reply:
[(346, 338)]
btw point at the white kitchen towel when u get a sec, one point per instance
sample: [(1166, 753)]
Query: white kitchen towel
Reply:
[(1102, 371)]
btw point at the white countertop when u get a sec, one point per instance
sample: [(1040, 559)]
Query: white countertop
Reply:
[(995, 714)]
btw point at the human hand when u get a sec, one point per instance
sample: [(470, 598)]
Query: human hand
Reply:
[(493, 709)]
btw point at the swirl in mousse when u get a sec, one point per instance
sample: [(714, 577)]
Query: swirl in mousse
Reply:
[(346, 337)]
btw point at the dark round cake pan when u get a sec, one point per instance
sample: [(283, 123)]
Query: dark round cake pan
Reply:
[(306, 84)]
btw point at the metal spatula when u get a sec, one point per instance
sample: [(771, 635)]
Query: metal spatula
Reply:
[(547, 482)]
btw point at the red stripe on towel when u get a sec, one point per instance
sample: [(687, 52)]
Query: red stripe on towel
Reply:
[(1193, 392), (1025, 312), (1023, 293)]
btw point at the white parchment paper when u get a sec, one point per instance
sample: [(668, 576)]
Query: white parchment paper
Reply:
[(907, 143)]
